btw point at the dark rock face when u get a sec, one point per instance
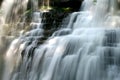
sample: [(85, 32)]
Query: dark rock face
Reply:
[(52, 21), (65, 0), (74, 4)]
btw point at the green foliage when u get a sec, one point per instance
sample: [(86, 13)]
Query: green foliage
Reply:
[(67, 9), (95, 1), (45, 8), (27, 12), (64, 9)]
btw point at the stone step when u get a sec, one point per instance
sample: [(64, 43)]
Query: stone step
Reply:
[(49, 22)]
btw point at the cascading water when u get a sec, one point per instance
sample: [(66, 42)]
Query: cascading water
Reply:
[(88, 49)]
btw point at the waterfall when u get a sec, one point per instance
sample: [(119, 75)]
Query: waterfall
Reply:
[(13, 15), (88, 48)]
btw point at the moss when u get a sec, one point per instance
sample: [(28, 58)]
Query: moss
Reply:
[(68, 9)]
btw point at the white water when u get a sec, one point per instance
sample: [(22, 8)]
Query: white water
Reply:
[(90, 51)]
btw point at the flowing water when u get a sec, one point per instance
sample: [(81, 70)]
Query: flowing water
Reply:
[(88, 48)]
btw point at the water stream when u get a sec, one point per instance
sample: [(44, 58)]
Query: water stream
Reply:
[(88, 48)]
